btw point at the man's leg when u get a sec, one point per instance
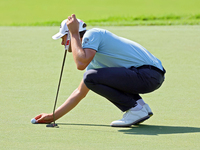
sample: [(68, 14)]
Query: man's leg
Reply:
[(121, 86), (114, 84), (131, 81)]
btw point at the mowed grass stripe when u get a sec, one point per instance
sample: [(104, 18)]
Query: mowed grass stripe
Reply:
[(104, 12), (129, 21)]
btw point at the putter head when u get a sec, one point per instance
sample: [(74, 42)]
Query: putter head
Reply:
[(52, 125)]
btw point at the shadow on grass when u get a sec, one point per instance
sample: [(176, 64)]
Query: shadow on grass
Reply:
[(158, 129), (146, 129), (79, 124)]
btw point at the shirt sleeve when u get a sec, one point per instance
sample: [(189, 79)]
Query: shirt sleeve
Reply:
[(91, 39)]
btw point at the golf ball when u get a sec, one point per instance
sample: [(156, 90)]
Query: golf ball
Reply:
[(33, 121)]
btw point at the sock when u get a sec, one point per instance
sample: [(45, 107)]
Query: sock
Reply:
[(136, 108), (141, 102)]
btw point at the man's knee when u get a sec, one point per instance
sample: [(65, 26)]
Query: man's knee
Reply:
[(89, 76)]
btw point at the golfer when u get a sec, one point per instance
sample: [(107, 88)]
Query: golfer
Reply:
[(116, 68)]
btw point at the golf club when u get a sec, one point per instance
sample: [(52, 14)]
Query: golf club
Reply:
[(66, 49)]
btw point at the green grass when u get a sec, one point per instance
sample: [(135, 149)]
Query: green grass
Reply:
[(129, 21), (104, 12), (30, 64)]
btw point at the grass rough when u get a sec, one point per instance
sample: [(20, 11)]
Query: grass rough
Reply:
[(104, 12)]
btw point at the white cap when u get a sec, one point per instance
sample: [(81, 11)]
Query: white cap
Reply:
[(64, 29)]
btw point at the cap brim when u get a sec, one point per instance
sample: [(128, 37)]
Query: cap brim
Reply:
[(57, 36)]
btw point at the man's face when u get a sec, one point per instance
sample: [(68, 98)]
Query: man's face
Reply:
[(64, 38), (63, 42)]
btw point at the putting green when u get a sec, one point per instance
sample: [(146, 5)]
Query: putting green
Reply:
[(30, 64)]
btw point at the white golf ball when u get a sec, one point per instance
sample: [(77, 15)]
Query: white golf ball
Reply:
[(33, 121)]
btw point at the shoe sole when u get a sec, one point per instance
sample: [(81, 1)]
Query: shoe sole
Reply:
[(134, 123), (150, 115)]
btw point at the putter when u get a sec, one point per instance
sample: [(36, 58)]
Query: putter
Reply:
[(66, 49)]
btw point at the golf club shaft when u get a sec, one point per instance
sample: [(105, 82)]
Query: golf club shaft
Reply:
[(59, 85)]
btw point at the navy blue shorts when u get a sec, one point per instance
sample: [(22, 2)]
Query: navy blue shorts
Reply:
[(122, 86)]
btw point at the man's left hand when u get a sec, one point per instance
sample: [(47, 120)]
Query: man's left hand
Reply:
[(73, 24)]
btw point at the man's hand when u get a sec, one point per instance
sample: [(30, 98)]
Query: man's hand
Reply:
[(68, 105), (44, 118), (73, 24)]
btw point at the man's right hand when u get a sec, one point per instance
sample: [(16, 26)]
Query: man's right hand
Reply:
[(44, 118)]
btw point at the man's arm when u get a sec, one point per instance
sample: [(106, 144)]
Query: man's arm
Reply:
[(68, 105), (72, 101), (82, 57)]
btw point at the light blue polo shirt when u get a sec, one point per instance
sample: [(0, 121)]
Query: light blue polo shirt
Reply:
[(115, 51)]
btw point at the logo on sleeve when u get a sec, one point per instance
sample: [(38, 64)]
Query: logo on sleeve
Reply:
[(86, 40)]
